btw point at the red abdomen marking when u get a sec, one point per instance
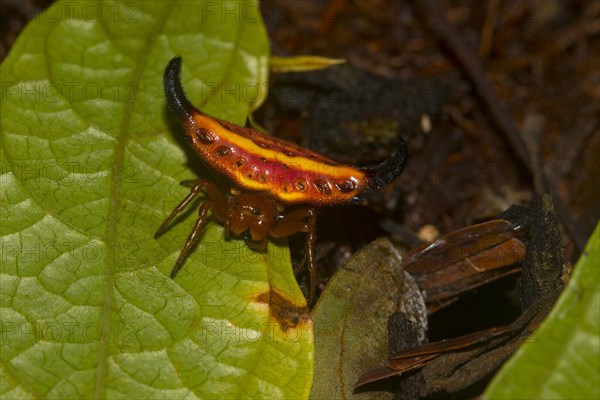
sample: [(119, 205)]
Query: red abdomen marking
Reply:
[(257, 162)]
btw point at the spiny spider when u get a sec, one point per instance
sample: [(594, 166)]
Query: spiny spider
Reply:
[(275, 185)]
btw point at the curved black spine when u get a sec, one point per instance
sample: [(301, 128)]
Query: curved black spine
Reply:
[(176, 98), (383, 173)]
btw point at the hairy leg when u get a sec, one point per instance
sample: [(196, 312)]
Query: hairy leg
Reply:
[(197, 187), (193, 237), (301, 220)]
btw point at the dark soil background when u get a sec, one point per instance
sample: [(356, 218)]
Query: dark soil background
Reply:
[(541, 59), (541, 62)]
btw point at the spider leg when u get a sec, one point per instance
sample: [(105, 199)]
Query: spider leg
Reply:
[(196, 189), (193, 237), (218, 201), (310, 250), (260, 247), (227, 223), (302, 220), (189, 182)]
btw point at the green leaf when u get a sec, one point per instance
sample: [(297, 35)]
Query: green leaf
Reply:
[(562, 359), (91, 165), (351, 320), (302, 63)]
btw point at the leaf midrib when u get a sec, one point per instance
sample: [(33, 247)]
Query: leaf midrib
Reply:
[(114, 208)]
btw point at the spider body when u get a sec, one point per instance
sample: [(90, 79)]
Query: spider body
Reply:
[(275, 185)]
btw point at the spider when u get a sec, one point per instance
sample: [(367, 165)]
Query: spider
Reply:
[(276, 186)]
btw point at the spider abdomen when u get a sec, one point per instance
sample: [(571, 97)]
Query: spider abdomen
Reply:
[(254, 161)]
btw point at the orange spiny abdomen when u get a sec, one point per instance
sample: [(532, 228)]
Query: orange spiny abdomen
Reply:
[(257, 162), (284, 170)]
